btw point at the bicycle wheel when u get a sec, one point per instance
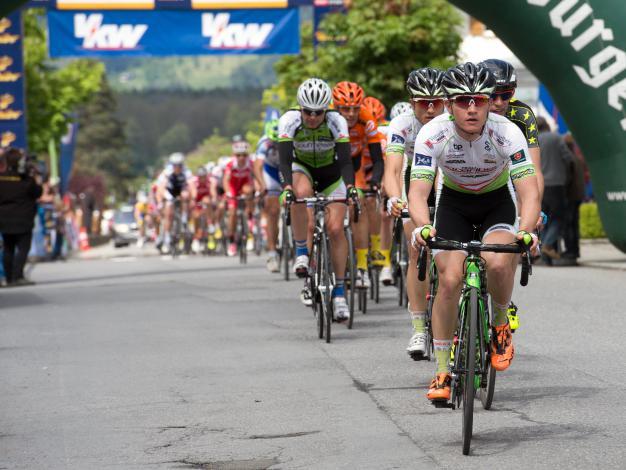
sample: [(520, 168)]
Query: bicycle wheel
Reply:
[(258, 234), (376, 284), (469, 363), (326, 287), (403, 264), (243, 239), (351, 272), (486, 393), (285, 247), (313, 280)]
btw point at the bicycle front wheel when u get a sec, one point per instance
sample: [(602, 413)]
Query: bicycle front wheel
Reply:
[(469, 363), (486, 392), (351, 272), (326, 286), (285, 248)]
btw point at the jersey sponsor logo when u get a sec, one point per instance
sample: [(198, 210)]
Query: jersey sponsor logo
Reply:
[(397, 139), (422, 160), (226, 35), (522, 174), (488, 160), (487, 146), (457, 146), (455, 161), (518, 157), (432, 141), (107, 37)]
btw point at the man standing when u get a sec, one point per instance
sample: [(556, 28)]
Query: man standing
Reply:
[(556, 164)]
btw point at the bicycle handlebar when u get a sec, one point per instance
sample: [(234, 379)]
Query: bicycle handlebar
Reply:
[(325, 200), (476, 247)]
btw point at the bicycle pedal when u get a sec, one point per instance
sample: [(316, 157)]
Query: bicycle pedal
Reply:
[(417, 356)]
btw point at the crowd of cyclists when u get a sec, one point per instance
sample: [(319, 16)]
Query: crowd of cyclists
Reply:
[(459, 160)]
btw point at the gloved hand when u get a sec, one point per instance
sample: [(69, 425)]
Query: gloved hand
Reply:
[(395, 206), (531, 240), (354, 194), (286, 197), (421, 234)]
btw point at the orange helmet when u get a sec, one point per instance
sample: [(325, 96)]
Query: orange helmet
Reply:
[(347, 94), (374, 106)]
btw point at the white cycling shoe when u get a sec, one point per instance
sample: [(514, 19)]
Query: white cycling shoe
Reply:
[(417, 345), (386, 276), (340, 308), (363, 279), (301, 266), (305, 296)]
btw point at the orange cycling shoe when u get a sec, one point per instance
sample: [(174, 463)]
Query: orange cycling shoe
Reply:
[(502, 349), (440, 387)]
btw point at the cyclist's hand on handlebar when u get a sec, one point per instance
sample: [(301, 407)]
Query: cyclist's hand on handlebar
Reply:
[(286, 197), (530, 240), (353, 194), (421, 234), (395, 206), (374, 185)]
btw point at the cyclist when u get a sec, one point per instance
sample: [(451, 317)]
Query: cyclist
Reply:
[(268, 162), (427, 102), (481, 155), (174, 182), (314, 149), (348, 99), (401, 107), (217, 181), (505, 104), (381, 228), (238, 181), (202, 206), (142, 216)]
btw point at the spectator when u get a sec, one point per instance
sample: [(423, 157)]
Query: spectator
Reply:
[(556, 163), (575, 196), (19, 191)]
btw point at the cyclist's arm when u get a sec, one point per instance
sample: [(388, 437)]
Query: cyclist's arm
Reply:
[(535, 154), (257, 169), (393, 174), (528, 192), (193, 190), (285, 153), (376, 155), (226, 184), (419, 190), (345, 162)]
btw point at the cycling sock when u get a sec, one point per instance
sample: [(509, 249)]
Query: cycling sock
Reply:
[(301, 248), (361, 259), (387, 255), (338, 289), (500, 313), (375, 242), (442, 349), (272, 254), (419, 321)]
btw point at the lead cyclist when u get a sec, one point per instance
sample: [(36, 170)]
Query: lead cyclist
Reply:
[(480, 156), (314, 150)]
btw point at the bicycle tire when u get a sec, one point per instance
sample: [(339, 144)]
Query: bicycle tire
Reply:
[(352, 275), (325, 279), (258, 235), (469, 363), (285, 248), (243, 238), (376, 284), (363, 303), (313, 281), (486, 393)]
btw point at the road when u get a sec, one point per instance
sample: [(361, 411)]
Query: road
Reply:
[(144, 362)]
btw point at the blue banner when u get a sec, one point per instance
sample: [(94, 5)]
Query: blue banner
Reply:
[(12, 99), (161, 33), (68, 145), (164, 4), (548, 103)]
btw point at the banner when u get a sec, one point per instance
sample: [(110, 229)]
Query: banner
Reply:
[(545, 99), (12, 99), (161, 33), (578, 50), (320, 10), (163, 4), (68, 144)]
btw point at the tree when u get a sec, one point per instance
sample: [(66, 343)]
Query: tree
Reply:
[(382, 43), (101, 146), (176, 139), (53, 91)]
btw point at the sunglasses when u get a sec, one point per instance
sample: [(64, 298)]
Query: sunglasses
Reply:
[(242, 155), (348, 108), (465, 101), (312, 112), (426, 103), (504, 95)]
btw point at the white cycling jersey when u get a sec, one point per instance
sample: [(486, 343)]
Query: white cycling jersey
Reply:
[(473, 167), (401, 134)]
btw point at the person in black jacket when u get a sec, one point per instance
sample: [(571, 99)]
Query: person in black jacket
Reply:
[(19, 191)]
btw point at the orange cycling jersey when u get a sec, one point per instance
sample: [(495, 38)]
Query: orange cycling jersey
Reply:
[(363, 133)]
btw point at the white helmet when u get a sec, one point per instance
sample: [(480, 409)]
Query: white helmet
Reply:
[(399, 108), (177, 158), (241, 146), (209, 166), (315, 94)]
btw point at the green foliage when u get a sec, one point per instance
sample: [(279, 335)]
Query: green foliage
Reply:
[(383, 43), (53, 89), (198, 73), (101, 146), (210, 149), (590, 223), (176, 139)]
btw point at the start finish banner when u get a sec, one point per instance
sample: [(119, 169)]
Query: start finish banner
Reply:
[(12, 102), (162, 33)]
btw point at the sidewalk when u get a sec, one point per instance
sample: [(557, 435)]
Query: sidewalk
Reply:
[(600, 253)]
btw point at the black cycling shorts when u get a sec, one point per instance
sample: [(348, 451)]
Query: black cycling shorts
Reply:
[(457, 213)]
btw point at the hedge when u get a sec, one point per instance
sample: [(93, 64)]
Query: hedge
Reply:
[(590, 223)]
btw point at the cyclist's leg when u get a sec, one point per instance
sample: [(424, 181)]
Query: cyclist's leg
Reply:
[(300, 223), (386, 235), (360, 229), (374, 221), (272, 208)]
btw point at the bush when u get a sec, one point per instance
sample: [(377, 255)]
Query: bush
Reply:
[(590, 223)]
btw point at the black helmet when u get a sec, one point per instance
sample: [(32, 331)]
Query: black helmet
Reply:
[(424, 82), (503, 71), (468, 78)]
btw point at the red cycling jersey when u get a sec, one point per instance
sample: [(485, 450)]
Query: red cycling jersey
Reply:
[(238, 178), (203, 187)]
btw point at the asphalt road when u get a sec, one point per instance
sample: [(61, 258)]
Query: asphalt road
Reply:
[(144, 362)]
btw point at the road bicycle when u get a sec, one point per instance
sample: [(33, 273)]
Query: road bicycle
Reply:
[(471, 371)]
